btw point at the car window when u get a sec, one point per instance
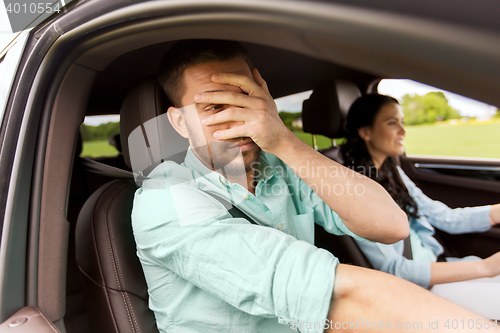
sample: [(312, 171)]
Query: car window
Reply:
[(441, 123), (100, 136), (9, 61), (290, 111)]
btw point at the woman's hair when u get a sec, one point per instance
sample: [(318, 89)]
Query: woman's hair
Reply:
[(356, 156)]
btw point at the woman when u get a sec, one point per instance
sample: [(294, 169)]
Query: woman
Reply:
[(376, 133)]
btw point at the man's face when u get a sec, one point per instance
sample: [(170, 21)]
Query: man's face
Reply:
[(215, 153)]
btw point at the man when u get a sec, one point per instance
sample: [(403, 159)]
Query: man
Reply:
[(211, 271)]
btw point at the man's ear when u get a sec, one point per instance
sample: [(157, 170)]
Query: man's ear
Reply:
[(177, 121), (365, 133)]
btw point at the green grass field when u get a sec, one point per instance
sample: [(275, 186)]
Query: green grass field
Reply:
[(472, 139), (98, 149), (466, 140)]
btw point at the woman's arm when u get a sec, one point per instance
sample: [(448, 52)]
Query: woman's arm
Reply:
[(453, 221), (390, 259), (448, 272)]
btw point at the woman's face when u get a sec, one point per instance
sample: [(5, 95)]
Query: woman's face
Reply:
[(385, 137)]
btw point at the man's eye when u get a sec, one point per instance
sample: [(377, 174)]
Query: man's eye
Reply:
[(214, 108)]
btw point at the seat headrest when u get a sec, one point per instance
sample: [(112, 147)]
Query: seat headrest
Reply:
[(115, 141), (146, 136), (326, 109)]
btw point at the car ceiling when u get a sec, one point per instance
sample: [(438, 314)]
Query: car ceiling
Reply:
[(285, 73), (301, 45)]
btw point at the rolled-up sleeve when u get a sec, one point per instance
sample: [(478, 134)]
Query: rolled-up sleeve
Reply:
[(323, 214), (259, 270)]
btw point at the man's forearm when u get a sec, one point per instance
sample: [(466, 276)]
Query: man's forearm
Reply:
[(364, 206)]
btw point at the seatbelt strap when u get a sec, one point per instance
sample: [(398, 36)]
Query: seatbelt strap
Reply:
[(111, 171), (407, 252), (232, 209), (104, 169)]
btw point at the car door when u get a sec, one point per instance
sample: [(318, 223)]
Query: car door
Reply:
[(23, 132), (459, 182)]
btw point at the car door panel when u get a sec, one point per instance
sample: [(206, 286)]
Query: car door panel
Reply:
[(28, 320), (459, 183)]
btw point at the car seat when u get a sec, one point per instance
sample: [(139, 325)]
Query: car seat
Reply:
[(115, 289), (325, 113)]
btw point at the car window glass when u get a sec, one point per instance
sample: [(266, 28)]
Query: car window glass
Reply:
[(100, 136), (441, 123), (290, 111), (8, 66)]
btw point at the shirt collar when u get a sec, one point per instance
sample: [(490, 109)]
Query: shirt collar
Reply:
[(265, 170)]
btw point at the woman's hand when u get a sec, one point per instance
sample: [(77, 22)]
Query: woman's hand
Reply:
[(495, 215)]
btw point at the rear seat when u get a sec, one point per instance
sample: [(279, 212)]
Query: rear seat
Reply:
[(117, 161), (326, 110), (325, 113)]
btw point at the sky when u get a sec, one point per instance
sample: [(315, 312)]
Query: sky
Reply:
[(464, 105)]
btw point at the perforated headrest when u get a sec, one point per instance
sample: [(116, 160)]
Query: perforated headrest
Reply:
[(326, 110), (147, 138)]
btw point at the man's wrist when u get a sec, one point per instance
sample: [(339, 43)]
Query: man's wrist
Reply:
[(288, 146)]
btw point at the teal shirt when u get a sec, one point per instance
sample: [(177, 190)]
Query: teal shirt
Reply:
[(209, 272)]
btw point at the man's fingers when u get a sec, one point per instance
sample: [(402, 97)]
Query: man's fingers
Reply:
[(259, 80), (232, 133), (229, 114), (244, 82), (230, 98)]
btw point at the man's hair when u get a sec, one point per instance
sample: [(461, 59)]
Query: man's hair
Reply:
[(187, 53)]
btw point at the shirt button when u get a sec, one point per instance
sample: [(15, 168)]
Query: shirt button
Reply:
[(222, 180), (280, 226), (245, 197)]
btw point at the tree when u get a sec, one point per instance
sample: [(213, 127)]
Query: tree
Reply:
[(101, 132), (288, 117), (429, 108)]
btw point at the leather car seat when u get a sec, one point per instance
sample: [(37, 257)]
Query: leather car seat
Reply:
[(325, 113), (115, 289)]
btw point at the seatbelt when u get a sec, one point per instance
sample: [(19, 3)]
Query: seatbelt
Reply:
[(111, 171), (232, 209), (105, 169), (407, 252)]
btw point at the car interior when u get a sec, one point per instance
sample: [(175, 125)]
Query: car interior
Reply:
[(114, 289), (82, 271)]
